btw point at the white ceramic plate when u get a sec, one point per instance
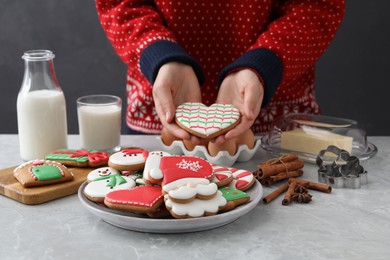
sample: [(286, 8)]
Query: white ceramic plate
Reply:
[(138, 222)]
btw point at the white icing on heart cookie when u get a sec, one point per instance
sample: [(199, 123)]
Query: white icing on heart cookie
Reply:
[(197, 207), (152, 172), (100, 172), (100, 187), (206, 121)]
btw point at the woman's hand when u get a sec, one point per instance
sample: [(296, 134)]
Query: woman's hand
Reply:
[(176, 83), (244, 90)]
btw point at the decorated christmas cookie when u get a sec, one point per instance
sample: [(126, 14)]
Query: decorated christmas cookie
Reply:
[(153, 175), (189, 163), (79, 158), (41, 172), (222, 176), (191, 191), (196, 208), (207, 122), (141, 199), (243, 179), (101, 172), (234, 198), (97, 189), (129, 159)]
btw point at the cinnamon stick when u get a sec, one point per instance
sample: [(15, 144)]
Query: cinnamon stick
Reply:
[(273, 195), (266, 170), (284, 175), (287, 197), (312, 185)]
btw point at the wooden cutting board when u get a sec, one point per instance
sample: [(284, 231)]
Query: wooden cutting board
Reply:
[(10, 187)]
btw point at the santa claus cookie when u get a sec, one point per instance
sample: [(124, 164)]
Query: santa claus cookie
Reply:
[(243, 179), (97, 189), (141, 199), (41, 172), (207, 122), (191, 191), (79, 158), (129, 159), (153, 175), (197, 207)]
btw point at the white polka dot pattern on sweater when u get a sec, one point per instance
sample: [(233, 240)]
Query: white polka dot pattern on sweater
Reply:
[(215, 33)]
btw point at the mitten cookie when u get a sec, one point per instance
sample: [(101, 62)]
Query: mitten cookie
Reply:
[(41, 172), (207, 122), (79, 158), (141, 199)]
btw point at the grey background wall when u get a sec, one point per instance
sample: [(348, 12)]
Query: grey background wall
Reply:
[(352, 76)]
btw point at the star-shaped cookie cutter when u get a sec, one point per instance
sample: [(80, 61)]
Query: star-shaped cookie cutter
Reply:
[(344, 172)]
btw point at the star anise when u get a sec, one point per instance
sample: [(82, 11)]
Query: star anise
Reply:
[(301, 197), (300, 189)]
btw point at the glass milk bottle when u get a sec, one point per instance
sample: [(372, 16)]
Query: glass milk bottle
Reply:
[(41, 107)]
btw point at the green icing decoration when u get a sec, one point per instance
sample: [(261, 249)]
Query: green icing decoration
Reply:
[(233, 194), (113, 180), (46, 172), (66, 157)]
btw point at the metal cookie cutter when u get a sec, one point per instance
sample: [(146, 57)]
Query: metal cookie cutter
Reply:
[(344, 172)]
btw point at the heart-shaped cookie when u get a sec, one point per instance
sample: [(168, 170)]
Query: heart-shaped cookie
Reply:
[(207, 122)]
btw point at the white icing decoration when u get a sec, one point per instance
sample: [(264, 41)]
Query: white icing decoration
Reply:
[(181, 182), (197, 207), (189, 191), (121, 158), (152, 165), (103, 171), (236, 172), (188, 165), (40, 161), (99, 189)]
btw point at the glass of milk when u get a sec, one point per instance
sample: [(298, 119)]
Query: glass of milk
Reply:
[(99, 118)]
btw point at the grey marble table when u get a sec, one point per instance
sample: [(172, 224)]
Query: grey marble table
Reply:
[(346, 224)]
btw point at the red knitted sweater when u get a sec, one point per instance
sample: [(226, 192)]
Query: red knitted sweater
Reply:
[(281, 40)]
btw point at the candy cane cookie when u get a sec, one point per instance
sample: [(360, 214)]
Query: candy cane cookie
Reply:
[(222, 175), (243, 179)]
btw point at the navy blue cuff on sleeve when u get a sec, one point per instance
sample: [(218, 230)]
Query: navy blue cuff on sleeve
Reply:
[(266, 63), (158, 53)]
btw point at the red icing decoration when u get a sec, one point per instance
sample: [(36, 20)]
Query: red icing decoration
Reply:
[(176, 162), (98, 157), (243, 174), (136, 151), (241, 183), (144, 196), (221, 177), (173, 174)]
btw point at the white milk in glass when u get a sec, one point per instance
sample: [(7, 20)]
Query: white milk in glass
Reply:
[(99, 126), (41, 123)]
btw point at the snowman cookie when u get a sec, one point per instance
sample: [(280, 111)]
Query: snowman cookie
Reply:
[(129, 159), (207, 122), (97, 189), (153, 175), (41, 172), (101, 172)]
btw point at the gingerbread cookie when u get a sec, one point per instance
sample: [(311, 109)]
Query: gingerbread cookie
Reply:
[(233, 197), (191, 191), (129, 159), (189, 163), (207, 122), (41, 172), (153, 175), (79, 158), (243, 179), (197, 207), (141, 199), (97, 189), (174, 178), (101, 172), (222, 175)]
